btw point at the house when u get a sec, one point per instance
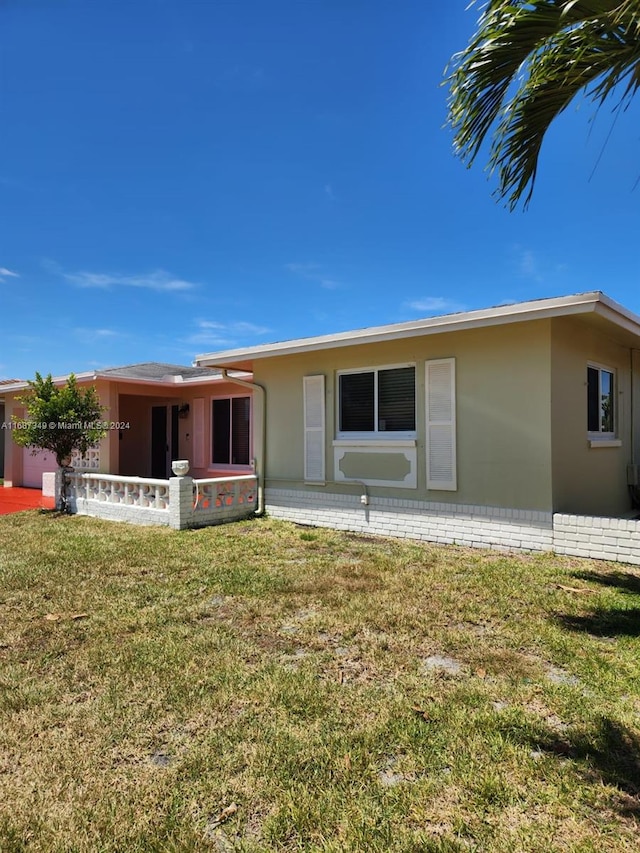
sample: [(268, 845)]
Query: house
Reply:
[(478, 427), (154, 413), (516, 426)]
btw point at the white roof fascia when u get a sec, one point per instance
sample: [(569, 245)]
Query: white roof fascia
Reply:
[(166, 381), (618, 314), (57, 380), (521, 312), (94, 376)]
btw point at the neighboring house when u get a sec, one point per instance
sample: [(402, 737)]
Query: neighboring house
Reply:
[(2, 441), (473, 427), (4, 383), (155, 413)]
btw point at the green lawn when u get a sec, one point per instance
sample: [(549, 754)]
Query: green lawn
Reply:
[(262, 687)]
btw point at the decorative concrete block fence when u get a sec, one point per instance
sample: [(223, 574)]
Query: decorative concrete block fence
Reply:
[(179, 502)]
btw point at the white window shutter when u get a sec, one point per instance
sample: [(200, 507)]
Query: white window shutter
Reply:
[(314, 427), (198, 433), (441, 424)]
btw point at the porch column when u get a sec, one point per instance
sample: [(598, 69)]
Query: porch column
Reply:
[(180, 502)]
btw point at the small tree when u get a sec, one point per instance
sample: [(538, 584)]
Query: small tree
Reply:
[(61, 419)]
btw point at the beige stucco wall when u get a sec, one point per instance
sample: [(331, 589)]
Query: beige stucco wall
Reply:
[(503, 412), (587, 480)]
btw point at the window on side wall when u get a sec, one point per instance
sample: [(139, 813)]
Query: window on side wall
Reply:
[(377, 402), (231, 431), (601, 402)]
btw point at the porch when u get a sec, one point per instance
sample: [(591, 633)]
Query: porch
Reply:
[(154, 413)]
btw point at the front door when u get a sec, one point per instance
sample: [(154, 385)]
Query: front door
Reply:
[(164, 440), (159, 443)]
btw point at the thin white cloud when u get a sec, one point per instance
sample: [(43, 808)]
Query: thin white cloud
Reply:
[(5, 273), (328, 191), (528, 264), (313, 272), (211, 333), (159, 280), (435, 305), (92, 335)]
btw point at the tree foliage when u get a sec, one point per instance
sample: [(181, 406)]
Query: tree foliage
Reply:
[(526, 62), (61, 419)]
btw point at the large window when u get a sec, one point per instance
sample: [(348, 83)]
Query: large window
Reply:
[(230, 431), (601, 412), (377, 401)]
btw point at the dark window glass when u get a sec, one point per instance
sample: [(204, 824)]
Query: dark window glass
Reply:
[(378, 401), (606, 400), (593, 400), (600, 400), (240, 430), (230, 431), (220, 431), (397, 400), (357, 402)]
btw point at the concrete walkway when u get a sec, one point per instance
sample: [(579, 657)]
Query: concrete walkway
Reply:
[(17, 500)]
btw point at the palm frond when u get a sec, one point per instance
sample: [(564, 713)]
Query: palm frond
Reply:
[(522, 68)]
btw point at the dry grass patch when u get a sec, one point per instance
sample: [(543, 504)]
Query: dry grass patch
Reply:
[(261, 687)]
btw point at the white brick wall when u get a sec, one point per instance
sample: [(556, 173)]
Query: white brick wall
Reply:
[(476, 526), (599, 538)]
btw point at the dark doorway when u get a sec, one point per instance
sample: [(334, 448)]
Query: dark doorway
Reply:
[(159, 443), (175, 447)]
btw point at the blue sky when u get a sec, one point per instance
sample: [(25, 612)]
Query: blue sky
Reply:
[(182, 176)]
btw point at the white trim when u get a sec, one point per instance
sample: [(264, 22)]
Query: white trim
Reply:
[(374, 442), (605, 442), (599, 435), (373, 367)]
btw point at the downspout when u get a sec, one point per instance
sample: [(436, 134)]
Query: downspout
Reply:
[(632, 417), (263, 433)]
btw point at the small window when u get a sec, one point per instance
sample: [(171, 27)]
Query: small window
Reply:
[(601, 412), (377, 401), (230, 431)]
